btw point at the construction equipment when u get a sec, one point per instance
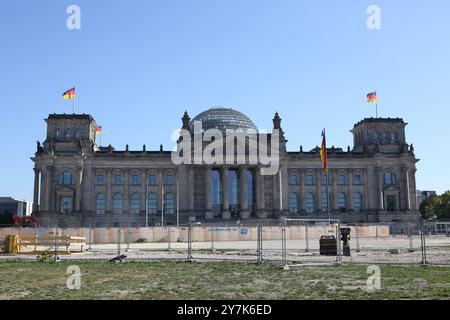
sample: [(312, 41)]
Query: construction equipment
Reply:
[(25, 221)]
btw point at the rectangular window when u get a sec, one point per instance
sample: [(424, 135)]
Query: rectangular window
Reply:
[(357, 179), (152, 180), (135, 180), (100, 179), (118, 179), (66, 204), (341, 180), (169, 180), (293, 179), (309, 179)]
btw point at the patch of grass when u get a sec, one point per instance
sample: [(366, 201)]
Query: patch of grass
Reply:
[(217, 280)]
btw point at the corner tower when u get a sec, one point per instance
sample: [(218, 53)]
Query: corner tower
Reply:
[(70, 133), (385, 135)]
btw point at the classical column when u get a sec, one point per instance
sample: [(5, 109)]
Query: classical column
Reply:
[(126, 194), (208, 194), (160, 185), (302, 198), (380, 188), (226, 214), (36, 190), (333, 187), (319, 188), (408, 196), (50, 190), (144, 195), (260, 195), (191, 189), (44, 189), (350, 195), (78, 189), (244, 213), (108, 190)]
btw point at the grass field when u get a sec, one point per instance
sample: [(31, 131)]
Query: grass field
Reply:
[(217, 280)]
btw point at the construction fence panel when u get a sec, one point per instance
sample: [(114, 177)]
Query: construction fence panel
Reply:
[(397, 243), (311, 241), (436, 239), (285, 241)]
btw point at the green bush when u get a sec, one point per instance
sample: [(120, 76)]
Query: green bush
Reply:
[(46, 257)]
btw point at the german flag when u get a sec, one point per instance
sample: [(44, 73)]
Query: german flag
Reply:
[(372, 97), (99, 130), (323, 153), (69, 94)]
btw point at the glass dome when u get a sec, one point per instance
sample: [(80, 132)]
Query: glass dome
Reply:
[(223, 118)]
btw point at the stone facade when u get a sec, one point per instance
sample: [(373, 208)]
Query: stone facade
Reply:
[(78, 183)]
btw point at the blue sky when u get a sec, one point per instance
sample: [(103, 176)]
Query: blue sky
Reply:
[(138, 65)]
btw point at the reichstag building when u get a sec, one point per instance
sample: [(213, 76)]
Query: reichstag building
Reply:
[(79, 183)]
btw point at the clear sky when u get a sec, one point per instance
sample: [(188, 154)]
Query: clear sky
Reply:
[(137, 65)]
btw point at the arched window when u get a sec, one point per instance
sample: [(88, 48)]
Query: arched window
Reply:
[(324, 178), (324, 202), (169, 179), (169, 204), (357, 202), (66, 178), (59, 134), (293, 203), (341, 201), (309, 203), (152, 203), (100, 203), (152, 180), (135, 203), (69, 134), (117, 203), (135, 180), (394, 137), (78, 134), (293, 179), (100, 179), (388, 178)]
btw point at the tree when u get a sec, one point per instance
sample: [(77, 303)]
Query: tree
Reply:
[(444, 207), (436, 207)]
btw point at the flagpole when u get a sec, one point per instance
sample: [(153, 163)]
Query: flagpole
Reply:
[(376, 109), (73, 105)]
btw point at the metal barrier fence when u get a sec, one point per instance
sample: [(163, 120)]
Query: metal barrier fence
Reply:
[(288, 242)]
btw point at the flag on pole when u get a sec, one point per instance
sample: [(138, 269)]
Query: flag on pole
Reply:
[(69, 94), (99, 130), (372, 97), (323, 153)]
